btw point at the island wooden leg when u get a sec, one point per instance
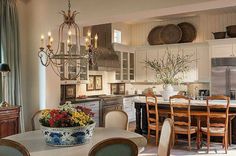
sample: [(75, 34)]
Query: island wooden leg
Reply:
[(199, 132), (230, 129), (138, 118)]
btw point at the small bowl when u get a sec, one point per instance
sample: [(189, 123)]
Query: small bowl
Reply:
[(219, 35)]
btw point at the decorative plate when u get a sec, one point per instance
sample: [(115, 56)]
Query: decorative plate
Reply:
[(154, 36), (189, 32), (171, 34)]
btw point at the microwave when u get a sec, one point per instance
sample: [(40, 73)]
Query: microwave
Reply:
[(118, 88)]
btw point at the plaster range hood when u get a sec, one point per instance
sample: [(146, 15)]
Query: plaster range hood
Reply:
[(105, 58)]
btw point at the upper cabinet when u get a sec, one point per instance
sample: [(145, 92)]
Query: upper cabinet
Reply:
[(127, 67), (199, 68), (222, 48)]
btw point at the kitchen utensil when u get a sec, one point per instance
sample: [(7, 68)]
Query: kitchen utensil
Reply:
[(219, 35), (189, 32), (171, 34), (154, 36), (231, 30)]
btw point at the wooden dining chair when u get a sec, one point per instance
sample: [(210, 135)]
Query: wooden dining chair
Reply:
[(181, 116), (166, 138), (116, 119), (35, 119), (114, 147), (152, 115), (12, 148), (217, 119)]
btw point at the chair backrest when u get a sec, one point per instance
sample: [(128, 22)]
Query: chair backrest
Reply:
[(180, 110), (35, 119), (116, 119), (218, 110), (166, 138), (115, 147), (152, 108), (12, 148)]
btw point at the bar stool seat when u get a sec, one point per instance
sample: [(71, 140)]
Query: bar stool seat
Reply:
[(184, 129), (213, 130)]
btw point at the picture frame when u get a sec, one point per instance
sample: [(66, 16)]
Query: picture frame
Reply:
[(68, 92), (98, 82), (90, 86)]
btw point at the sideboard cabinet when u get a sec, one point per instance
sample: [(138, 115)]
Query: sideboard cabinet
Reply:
[(9, 121)]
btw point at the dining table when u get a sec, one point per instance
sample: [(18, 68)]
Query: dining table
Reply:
[(34, 142)]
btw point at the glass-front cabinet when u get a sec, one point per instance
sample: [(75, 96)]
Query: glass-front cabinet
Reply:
[(127, 58)]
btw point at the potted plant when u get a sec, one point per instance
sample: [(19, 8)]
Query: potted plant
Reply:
[(67, 126), (167, 70)]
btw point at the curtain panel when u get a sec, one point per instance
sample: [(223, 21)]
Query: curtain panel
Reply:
[(10, 52)]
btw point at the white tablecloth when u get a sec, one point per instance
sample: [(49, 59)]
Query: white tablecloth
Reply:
[(34, 142)]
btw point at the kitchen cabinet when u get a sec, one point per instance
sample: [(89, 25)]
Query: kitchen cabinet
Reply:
[(222, 48), (141, 70), (152, 54), (199, 69), (203, 63), (128, 107), (94, 106), (9, 121), (126, 57)]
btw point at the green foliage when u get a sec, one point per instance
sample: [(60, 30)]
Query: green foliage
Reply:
[(169, 66)]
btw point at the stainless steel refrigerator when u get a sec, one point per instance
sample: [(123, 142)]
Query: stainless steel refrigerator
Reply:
[(223, 76)]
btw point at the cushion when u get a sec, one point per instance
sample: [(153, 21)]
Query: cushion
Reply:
[(214, 130), (184, 129), (115, 150)]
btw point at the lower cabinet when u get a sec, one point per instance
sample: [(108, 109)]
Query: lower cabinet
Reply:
[(128, 107), (94, 106), (9, 121)]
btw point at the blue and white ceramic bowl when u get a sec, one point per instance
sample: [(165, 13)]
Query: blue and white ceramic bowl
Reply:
[(68, 136)]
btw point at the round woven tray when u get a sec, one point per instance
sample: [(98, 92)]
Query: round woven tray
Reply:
[(154, 36), (171, 34), (189, 32)]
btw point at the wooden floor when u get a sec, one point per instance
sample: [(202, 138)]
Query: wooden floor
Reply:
[(181, 148)]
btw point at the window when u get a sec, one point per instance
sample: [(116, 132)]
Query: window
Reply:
[(117, 36)]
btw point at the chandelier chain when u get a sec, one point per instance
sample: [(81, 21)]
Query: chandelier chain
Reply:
[(69, 5)]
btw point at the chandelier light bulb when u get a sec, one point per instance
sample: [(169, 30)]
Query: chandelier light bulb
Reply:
[(42, 37), (69, 33), (49, 34), (89, 34)]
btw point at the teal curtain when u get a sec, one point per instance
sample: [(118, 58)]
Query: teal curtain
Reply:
[(10, 51)]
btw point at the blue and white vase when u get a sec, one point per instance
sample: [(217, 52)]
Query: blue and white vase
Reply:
[(68, 136)]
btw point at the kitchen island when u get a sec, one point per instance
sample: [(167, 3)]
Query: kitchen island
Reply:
[(198, 108)]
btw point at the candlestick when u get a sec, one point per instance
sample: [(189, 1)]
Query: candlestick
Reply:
[(49, 37), (42, 41), (86, 43), (51, 40), (96, 39)]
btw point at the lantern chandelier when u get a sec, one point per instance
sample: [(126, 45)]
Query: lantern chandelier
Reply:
[(67, 56)]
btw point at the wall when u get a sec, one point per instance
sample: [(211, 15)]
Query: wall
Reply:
[(126, 32), (204, 23), (106, 78)]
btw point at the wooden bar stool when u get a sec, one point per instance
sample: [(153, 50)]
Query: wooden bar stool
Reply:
[(180, 114), (216, 127), (152, 115)]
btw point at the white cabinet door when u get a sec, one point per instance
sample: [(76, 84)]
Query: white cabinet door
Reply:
[(221, 50), (191, 75), (140, 69), (152, 54), (128, 107), (203, 63)]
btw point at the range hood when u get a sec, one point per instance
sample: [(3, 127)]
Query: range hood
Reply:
[(105, 58)]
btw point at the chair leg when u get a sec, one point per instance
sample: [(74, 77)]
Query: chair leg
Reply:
[(208, 142), (148, 137), (189, 142), (157, 136), (226, 143)]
